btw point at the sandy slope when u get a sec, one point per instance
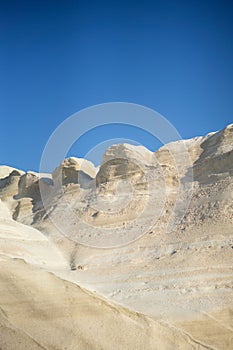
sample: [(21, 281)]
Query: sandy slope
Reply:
[(41, 311)]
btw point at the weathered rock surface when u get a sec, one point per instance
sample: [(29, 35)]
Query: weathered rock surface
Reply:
[(74, 170), (166, 279), (6, 170)]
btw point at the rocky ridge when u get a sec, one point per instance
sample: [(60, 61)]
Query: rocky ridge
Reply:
[(149, 232)]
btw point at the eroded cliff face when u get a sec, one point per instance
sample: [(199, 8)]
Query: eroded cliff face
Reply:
[(151, 231)]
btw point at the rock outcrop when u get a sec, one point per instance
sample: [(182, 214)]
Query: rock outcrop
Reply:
[(166, 218), (74, 170), (9, 184)]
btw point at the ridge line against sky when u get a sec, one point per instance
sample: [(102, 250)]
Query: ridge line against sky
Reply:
[(58, 57)]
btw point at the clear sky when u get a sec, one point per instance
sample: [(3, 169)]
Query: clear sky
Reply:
[(59, 56)]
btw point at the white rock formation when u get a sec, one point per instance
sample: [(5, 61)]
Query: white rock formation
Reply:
[(71, 169), (6, 170), (165, 284)]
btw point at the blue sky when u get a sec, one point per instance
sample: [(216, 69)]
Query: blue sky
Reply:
[(58, 57)]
